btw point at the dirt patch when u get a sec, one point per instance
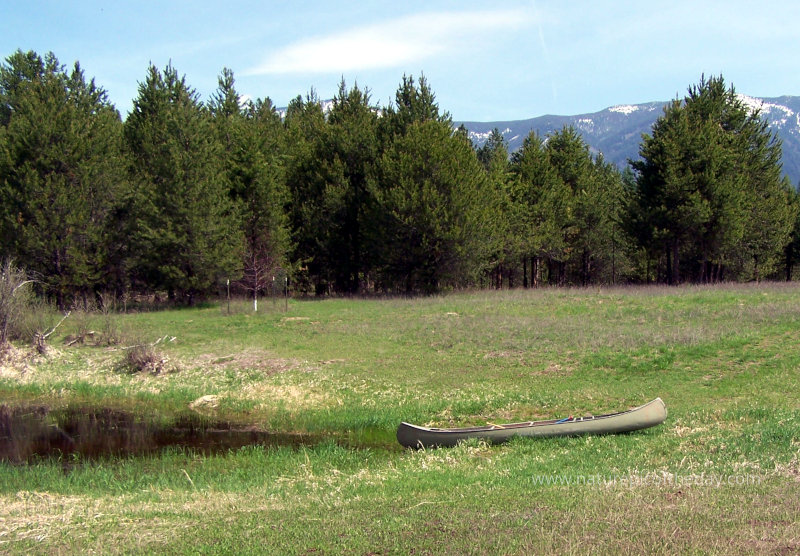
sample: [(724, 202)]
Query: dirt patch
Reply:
[(554, 369), (257, 360), (522, 358), (284, 320), (512, 354)]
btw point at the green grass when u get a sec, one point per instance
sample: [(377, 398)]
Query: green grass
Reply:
[(720, 476)]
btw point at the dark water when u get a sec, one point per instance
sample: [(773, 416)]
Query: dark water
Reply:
[(32, 433)]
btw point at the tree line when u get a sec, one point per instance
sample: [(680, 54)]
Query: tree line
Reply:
[(184, 194)]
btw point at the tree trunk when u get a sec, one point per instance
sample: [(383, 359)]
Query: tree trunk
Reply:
[(525, 272), (673, 266), (669, 264), (613, 261), (585, 268)]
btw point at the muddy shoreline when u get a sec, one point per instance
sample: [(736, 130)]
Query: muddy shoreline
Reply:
[(34, 432)]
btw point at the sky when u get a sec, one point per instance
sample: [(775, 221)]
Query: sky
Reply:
[(485, 61)]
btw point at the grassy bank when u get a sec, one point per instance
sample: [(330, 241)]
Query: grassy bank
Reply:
[(721, 475)]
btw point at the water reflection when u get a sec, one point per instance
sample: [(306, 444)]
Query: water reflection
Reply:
[(35, 432)]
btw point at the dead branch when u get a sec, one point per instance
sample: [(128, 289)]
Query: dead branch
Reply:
[(154, 344), (40, 340), (18, 286), (171, 339), (81, 338), (45, 336)]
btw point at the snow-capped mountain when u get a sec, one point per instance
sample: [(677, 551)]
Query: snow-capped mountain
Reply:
[(326, 105), (617, 131)]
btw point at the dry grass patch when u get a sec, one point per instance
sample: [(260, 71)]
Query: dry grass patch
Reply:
[(41, 516), (684, 431), (15, 361), (289, 396), (115, 524), (205, 404), (791, 469)]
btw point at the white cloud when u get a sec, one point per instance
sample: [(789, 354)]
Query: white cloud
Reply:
[(390, 43)]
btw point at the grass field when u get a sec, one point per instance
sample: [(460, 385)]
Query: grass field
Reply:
[(722, 475)]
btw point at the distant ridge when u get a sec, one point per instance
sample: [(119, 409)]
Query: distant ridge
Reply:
[(617, 131)]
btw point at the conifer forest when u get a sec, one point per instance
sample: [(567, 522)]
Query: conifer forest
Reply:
[(185, 195)]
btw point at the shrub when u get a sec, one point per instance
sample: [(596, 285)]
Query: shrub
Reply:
[(15, 297), (143, 358)]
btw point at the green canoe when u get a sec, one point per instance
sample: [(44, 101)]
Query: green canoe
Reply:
[(642, 417)]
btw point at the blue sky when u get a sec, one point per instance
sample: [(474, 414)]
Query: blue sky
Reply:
[(486, 61)]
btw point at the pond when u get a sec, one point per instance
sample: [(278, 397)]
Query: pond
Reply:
[(31, 433)]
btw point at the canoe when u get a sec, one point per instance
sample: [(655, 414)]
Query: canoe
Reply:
[(642, 417)]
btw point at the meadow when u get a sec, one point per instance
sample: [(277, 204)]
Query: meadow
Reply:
[(721, 475)]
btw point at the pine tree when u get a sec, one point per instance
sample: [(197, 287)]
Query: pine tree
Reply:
[(251, 139), (415, 102), (266, 222), (306, 180), (60, 174), (352, 154), (607, 245), (436, 210), (434, 193), (508, 249), (538, 206), (792, 249), (710, 196), (186, 235), (331, 176), (568, 208)]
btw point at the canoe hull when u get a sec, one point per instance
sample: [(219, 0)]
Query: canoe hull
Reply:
[(642, 417)]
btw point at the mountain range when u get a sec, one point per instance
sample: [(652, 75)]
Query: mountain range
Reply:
[(616, 132)]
